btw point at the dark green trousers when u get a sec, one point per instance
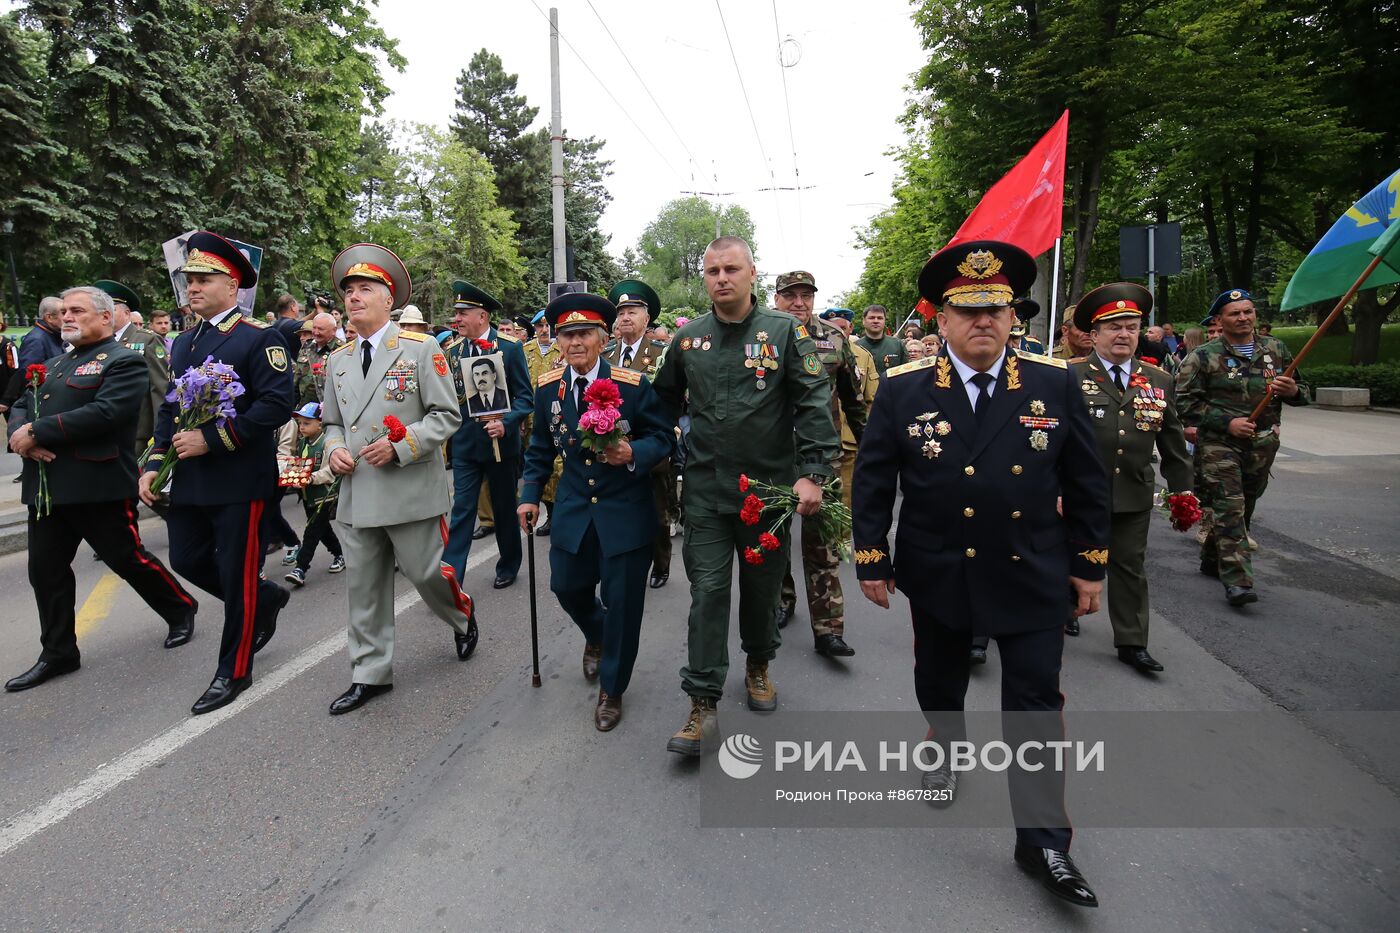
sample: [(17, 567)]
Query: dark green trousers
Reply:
[(1127, 578), (711, 544)]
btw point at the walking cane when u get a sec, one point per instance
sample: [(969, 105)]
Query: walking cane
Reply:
[(534, 615)]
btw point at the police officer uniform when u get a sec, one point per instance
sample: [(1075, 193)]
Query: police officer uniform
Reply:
[(643, 357), (474, 456), (217, 500), (1132, 408), (603, 512), (152, 350), (85, 412), (981, 550)]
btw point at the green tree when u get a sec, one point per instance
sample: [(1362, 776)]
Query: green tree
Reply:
[(671, 249)]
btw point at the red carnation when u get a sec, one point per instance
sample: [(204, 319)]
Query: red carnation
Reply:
[(769, 542), (603, 393), (1152, 359), (753, 502), (753, 556), (394, 426), (743, 482), (483, 344), (748, 517), (36, 374), (1184, 510)]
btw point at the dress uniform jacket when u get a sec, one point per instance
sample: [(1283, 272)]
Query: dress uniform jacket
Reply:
[(410, 380), (152, 349), (978, 530), (471, 441), (644, 361)]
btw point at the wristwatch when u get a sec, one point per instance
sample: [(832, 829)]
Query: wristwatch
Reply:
[(816, 478)]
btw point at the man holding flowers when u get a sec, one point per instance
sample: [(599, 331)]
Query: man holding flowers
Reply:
[(610, 430)]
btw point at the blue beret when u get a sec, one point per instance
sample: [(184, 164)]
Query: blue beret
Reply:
[(539, 316), (1224, 298), (846, 313)]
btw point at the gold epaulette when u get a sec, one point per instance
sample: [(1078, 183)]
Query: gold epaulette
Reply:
[(507, 337), (413, 335), (1043, 360), (551, 376), (1154, 368), (260, 324), (915, 366), (626, 375), (347, 347)]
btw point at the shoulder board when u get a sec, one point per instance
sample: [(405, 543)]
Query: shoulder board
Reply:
[(611, 345), (507, 337), (348, 348), (1153, 368), (659, 343), (261, 325), (915, 366), (551, 376), (1042, 360), (412, 335), (626, 375)]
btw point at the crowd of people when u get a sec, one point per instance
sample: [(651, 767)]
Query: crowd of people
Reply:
[(1026, 478)]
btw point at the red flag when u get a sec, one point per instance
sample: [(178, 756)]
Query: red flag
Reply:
[(1025, 208), (926, 309)]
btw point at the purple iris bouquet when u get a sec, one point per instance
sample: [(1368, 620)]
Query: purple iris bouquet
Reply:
[(203, 394)]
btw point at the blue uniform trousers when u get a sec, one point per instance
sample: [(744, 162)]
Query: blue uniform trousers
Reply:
[(466, 487), (618, 628)]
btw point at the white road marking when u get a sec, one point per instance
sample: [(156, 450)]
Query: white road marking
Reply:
[(111, 775)]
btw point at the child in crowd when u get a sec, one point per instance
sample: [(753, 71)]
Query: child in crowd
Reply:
[(318, 496)]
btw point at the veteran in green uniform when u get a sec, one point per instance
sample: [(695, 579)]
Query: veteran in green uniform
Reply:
[(887, 349), (760, 406), (310, 368), (1132, 406), (541, 355), (638, 307), (1217, 387), (152, 350), (821, 563), (867, 383)]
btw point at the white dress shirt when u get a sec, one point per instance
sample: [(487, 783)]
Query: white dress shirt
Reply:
[(966, 372)]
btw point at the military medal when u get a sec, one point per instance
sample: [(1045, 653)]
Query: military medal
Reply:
[(705, 345), (685, 344), (1037, 407), (761, 335), (926, 416), (101, 356), (1039, 440), (932, 449), (943, 428)]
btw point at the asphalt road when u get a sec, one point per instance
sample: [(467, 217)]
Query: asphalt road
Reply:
[(466, 799)]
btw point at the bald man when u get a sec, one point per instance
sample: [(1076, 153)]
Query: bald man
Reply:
[(311, 361)]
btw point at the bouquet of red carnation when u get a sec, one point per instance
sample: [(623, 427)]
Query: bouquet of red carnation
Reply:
[(1182, 510), (484, 345), (833, 518), (601, 423), (34, 377)]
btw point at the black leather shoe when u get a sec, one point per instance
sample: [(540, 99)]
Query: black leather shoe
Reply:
[(1058, 873), (358, 695), (659, 578), (833, 646), (40, 672), (942, 785), (784, 614), (466, 644), (503, 580), (222, 691), (182, 631), (542, 529), (1210, 568), (264, 632), (977, 655), (482, 531), (1072, 627), (1240, 595), (1139, 658)]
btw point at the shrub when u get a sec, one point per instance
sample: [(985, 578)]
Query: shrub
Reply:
[(1383, 379)]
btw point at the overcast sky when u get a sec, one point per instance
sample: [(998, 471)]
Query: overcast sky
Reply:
[(849, 66)]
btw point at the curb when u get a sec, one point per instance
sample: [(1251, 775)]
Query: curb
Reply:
[(14, 535)]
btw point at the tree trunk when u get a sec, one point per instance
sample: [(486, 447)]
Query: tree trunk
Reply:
[(1217, 257), (1087, 194), (1320, 312), (1370, 314)]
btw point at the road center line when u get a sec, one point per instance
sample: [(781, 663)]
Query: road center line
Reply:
[(111, 775), (98, 603)]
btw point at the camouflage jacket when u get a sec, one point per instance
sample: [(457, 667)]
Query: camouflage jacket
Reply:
[(310, 370), (848, 406), (1216, 383)]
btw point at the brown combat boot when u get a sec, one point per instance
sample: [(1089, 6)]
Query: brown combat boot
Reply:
[(592, 654), (763, 696), (700, 728)]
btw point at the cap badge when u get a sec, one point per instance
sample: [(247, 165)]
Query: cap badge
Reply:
[(979, 264), (1236, 295)]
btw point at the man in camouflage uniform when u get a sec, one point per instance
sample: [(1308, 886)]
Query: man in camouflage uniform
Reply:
[(311, 361), (867, 376), (1217, 388), (821, 563)]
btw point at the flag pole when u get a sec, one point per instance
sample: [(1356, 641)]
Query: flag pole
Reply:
[(1053, 318), (1317, 334)]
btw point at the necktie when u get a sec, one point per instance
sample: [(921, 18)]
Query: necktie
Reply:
[(983, 381), (198, 332), (580, 384), (364, 357), (1118, 377), (626, 357)]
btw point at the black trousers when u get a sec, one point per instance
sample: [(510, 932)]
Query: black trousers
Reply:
[(276, 528), (110, 528), (317, 529), (1030, 693), (219, 548)]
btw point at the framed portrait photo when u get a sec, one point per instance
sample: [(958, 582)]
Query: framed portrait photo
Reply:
[(485, 381)]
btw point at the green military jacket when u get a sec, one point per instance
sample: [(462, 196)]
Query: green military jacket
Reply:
[(888, 351), (1130, 425), (1216, 383), (311, 369), (540, 363), (646, 359), (324, 485), (152, 350), (834, 351), (759, 404)]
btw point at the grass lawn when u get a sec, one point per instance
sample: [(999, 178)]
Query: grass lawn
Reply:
[(1338, 349), (15, 333)]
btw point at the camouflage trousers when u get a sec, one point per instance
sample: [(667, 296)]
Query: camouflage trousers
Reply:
[(821, 571), (663, 493), (1234, 475)]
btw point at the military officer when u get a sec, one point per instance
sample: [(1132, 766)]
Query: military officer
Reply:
[(981, 441), (77, 428), (760, 407), (638, 307), (485, 449), (1074, 342), (821, 562), (1026, 309), (1217, 387), (1132, 406), (152, 350), (227, 472), (393, 495), (542, 355), (604, 519), (887, 349), (313, 357), (867, 384)]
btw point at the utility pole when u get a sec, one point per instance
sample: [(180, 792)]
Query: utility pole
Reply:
[(556, 151)]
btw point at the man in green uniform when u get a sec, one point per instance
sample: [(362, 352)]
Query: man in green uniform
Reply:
[(760, 407), (1217, 388), (821, 562), (152, 350), (1132, 406), (867, 384), (541, 355), (887, 349), (311, 361), (1074, 342)]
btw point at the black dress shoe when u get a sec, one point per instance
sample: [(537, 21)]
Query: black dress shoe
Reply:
[(358, 695), (503, 580), (1210, 568), (182, 631), (942, 785), (784, 615), (1072, 627), (1139, 658), (833, 646), (222, 691), (1058, 873), (542, 529), (977, 654), (659, 578), (482, 531), (40, 672), (1240, 595), (466, 644), (264, 632)]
